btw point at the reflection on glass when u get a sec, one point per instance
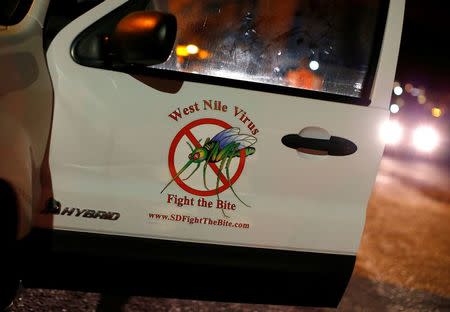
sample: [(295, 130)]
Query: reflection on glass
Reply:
[(322, 45)]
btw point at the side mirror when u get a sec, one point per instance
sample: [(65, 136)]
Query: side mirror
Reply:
[(142, 38), (123, 39)]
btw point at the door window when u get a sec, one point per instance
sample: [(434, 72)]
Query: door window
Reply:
[(322, 45)]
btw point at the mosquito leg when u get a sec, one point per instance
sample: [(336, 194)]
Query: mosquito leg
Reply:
[(198, 166), (190, 146), (207, 161), (222, 164), (204, 175), (227, 169)]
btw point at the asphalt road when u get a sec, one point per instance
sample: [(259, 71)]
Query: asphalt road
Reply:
[(403, 263)]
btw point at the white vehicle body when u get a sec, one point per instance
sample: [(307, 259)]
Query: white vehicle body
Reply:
[(25, 110), (114, 138)]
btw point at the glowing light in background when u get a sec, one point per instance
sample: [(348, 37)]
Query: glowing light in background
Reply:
[(408, 87), (192, 49), (415, 92), (181, 51), (394, 108), (422, 99), (391, 132), (436, 112), (425, 139), (314, 65), (203, 54), (398, 90)]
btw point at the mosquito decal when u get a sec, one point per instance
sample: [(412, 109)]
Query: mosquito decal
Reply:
[(223, 147)]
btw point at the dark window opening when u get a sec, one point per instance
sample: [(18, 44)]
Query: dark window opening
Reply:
[(13, 11), (61, 12)]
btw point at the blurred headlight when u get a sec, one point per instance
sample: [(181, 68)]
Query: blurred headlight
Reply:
[(425, 139), (391, 132)]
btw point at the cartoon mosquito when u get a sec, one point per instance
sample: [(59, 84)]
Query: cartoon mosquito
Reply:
[(223, 147)]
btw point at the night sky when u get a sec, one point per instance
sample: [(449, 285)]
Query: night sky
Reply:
[(424, 58)]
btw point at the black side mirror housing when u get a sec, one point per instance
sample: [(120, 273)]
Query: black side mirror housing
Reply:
[(142, 38), (128, 37)]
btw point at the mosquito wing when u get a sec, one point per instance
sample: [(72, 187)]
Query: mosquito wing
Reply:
[(232, 135), (244, 140), (225, 133)]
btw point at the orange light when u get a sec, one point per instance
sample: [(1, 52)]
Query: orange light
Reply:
[(203, 54), (408, 87), (304, 78), (436, 112), (134, 21), (181, 51)]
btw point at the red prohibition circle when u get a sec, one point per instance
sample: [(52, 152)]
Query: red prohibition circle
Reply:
[(186, 130)]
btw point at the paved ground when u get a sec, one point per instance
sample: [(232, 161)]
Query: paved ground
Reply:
[(403, 263)]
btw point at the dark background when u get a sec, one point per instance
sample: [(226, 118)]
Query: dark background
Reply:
[(424, 58)]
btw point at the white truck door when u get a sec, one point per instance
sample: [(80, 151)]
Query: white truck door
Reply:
[(260, 130)]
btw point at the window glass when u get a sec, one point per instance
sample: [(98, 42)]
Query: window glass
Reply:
[(322, 45)]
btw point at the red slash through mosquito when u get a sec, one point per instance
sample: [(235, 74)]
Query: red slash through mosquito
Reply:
[(213, 166)]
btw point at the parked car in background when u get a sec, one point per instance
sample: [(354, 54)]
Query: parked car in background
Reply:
[(417, 132)]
